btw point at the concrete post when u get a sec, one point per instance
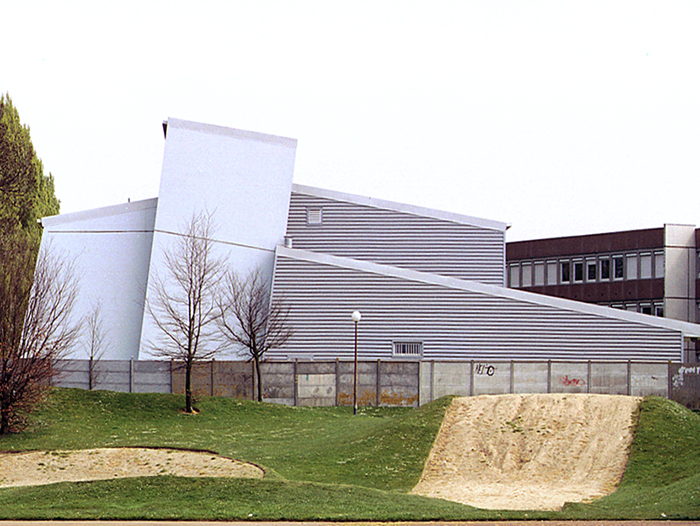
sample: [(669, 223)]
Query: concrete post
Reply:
[(471, 379), (131, 375), (588, 378), (511, 388), (379, 383)]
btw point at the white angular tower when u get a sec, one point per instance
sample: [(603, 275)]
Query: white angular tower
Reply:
[(243, 178)]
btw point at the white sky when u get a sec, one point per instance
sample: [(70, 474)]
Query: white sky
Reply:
[(558, 117)]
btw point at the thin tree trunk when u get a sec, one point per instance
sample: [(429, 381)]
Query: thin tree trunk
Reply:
[(257, 370), (188, 387), (90, 373), (4, 422)]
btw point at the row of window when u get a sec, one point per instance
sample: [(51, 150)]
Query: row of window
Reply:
[(586, 269), (655, 308)]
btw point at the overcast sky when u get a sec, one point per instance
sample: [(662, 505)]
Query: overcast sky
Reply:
[(559, 118)]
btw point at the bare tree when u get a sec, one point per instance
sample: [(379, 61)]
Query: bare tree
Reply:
[(250, 320), (36, 329), (182, 302), (94, 344)]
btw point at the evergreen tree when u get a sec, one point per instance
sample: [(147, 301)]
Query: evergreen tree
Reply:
[(36, 298), (26, 194)]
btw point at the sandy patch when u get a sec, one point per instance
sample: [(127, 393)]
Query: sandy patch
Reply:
[(530, 451), (46, 467)]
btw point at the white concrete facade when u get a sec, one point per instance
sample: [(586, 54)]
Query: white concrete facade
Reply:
[(242, 178), (111, 248)]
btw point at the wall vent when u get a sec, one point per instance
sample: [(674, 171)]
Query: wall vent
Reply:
[(314, 216)]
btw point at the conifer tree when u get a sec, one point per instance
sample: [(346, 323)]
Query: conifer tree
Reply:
[(26, 194), (35, 298)]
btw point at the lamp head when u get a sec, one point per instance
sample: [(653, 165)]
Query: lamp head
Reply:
[(356, 316)]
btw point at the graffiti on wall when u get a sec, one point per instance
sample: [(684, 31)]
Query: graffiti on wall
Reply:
[(572, 381), (484, 369), (679, 377)]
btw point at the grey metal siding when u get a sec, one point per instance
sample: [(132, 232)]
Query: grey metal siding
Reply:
[(399, 239), (453, 324)]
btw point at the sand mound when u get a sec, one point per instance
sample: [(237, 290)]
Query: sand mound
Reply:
[(529, 451), (45, 467)]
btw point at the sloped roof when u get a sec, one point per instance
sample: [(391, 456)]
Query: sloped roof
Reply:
[(399, 207)]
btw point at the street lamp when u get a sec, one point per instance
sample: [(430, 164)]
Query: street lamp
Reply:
[(356, 317)]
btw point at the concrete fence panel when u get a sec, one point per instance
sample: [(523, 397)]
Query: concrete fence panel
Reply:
[(685, 384), (568, 377), (366, 383), (114, 375), (278, 382), (491, 378), (398, 383), (151, 377), (609, 378), (233, 379), (530, 377), (648, 379), (387, 382), (74, 373), (316, 389), (449, 379)]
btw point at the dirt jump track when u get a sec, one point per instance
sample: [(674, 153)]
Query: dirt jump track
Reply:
[(530, 451)]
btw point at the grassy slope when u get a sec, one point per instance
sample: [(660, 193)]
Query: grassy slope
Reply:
[(379, 448), (322, 463), (662, 479)]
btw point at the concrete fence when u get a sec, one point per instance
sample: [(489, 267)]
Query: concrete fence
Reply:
[(409, 383)]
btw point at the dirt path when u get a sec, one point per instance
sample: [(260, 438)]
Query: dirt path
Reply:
[(529, 451), (45, 467)]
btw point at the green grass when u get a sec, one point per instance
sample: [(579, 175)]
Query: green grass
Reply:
[(321, 463), (662, 479)]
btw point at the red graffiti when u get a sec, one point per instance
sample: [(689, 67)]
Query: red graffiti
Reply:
[(572, 381)]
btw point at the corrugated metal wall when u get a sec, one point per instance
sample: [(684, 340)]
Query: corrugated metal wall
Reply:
[(453, 324), (399, 239)]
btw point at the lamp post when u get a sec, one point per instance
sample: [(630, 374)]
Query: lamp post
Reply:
[(356, 317)]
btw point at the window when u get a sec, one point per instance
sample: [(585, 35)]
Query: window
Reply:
[(632, 266), (659, 310), (578, 270), (605, 269), (645, 265), (527, 274), (645, 308), (591, 269), (314, 216), (408, 349), (514, 276), (618, 267), (551, 272), (659, 262), (565, 271), (539, 273)]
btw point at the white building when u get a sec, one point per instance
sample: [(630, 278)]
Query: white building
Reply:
[(430, 284)]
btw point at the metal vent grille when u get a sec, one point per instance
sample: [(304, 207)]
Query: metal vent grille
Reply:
[(408, 348), (314, 216)]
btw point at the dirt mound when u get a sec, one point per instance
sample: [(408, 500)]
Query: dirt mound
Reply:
[(45, 467), (530, 451)]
